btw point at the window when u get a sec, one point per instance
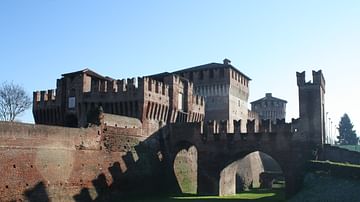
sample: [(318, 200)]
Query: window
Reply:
[(201, 75), (180, 101), (191, 76), (71, 103), (222, 72), (211, 73)]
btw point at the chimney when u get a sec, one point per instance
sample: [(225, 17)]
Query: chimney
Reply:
[(268, 95), (227, 61)]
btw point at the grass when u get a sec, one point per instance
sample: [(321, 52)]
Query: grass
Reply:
[(318, 188), (350, 147), (254, 194), (258, 195), (337, 163)]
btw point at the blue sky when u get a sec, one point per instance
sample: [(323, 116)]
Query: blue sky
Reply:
[(267, 40)]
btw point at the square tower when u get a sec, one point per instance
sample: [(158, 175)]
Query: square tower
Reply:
[(311, 106)]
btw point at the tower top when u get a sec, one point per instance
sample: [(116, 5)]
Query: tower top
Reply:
[(317, 79)]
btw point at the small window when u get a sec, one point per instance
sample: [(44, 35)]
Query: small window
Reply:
[(211, 73), (201, 75), (180, 101), (222, 72), (71, 103), (191, 76)]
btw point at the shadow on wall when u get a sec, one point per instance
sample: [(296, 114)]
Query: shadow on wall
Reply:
[(37, 193), (149, 174)]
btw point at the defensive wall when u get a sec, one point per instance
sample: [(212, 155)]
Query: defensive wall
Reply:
[(41, 163), (337, 154), (65, 161), (121, 155)]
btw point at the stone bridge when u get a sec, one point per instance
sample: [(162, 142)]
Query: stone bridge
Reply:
[(214, 150), (215, 153)]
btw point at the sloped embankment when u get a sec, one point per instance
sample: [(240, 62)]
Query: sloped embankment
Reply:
[(330, 182)]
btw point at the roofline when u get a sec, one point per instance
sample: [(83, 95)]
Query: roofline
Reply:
[(87, 70), (261, 99), (223, 65)]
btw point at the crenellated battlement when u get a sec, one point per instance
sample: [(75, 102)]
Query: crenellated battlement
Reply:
[(198, 100), (127, 86), (44, 98), (154, 86), (218, 131), (135, 85), (221, 129), (317, 79)]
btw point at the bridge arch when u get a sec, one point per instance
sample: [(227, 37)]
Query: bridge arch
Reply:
[(185, 166), (246, 170)]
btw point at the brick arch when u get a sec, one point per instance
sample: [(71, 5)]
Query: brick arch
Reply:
[(233, 169)]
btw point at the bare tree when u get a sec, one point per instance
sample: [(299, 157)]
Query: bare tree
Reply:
[(13, 101)]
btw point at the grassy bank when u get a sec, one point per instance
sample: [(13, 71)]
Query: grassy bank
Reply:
[(320, 187), (258, 195), (331, 182)]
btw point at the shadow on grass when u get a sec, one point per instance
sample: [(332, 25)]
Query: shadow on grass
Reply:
[(258, 195)]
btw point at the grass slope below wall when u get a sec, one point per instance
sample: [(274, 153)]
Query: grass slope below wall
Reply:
[(329, 184), (350, 147)]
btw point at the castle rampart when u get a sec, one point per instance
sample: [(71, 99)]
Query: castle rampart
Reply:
[(136, 152), (149, 100)]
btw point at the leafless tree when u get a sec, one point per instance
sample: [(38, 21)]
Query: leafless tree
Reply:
[(13, 101)]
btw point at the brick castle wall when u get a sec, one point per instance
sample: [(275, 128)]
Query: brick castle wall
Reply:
[(66, 161)]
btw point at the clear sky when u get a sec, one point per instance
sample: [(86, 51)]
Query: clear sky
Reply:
[(267, 40)]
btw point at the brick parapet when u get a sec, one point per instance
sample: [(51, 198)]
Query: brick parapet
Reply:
[(222, 129)]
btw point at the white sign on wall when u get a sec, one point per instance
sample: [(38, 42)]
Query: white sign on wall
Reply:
[(71, 103)]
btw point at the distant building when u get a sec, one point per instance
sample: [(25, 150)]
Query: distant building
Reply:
[(269, 107)]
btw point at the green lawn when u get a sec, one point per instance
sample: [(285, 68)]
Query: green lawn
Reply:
[(350, 147), (337, 163), (258, 195)]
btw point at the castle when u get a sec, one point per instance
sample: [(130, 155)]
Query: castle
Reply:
[(167, 97), (151, 101), (152, 135)]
